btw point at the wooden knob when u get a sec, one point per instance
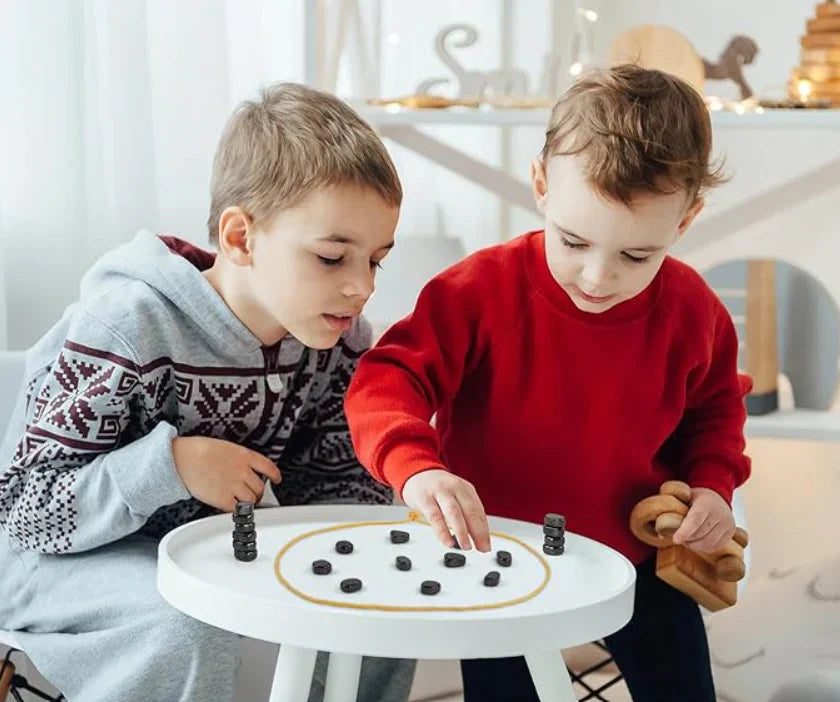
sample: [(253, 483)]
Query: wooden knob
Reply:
[(667, 523), (678, 489), (644, 515), (730, 568)]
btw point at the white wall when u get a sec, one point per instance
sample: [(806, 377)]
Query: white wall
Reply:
[(186, 64)]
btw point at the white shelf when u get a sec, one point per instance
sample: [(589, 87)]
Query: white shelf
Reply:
[(812, 425), (769, 119)]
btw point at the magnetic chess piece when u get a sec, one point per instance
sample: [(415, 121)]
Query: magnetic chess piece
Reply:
[(399, 537), (343, 547), (708, 578), (244, 532), (430, 587), (351, 585), (454, 560), (321, 567), (504, 559), (403, 563), (554, 534)]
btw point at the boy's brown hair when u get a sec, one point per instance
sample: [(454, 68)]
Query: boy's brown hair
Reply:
[(636, 130), (293, 140)]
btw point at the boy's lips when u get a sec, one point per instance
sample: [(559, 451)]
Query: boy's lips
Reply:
[(341, 321), (593, 298)]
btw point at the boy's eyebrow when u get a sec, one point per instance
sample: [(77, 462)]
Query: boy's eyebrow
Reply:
[(647, 249), (342, 239)]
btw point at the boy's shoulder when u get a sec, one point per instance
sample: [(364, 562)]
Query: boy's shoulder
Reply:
[(686, 294), (491, 265), (152, 297)]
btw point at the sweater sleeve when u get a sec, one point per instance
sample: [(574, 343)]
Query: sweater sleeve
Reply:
[(415, 368), (319, 464), (76, 479), (711, 434)]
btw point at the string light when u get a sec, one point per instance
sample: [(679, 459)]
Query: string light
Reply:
[(803, 87)]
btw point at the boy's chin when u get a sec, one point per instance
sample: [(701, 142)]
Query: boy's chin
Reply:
[(317, 339), (592, 307)]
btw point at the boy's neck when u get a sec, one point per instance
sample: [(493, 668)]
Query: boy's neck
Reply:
[(233, 290)]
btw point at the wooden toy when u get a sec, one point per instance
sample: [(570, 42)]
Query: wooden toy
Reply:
[(708, 578), (817, 77)]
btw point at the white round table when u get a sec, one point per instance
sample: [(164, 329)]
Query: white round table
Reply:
[(588, 596)]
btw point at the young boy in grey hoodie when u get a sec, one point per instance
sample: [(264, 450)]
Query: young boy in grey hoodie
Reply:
[(177, 385)]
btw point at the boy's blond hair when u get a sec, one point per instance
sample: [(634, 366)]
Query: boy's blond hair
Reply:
[(636, 130), (293, 140)]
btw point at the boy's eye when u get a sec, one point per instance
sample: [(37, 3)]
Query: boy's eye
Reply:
[(634, 259), (330, 261), (376, 264), (571, 244)]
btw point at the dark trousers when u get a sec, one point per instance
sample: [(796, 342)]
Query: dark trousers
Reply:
[(662, 653)]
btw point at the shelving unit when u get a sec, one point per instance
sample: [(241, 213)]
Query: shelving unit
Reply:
[(386, 117)]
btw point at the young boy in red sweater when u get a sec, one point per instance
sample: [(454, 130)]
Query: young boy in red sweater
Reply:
[(576, 368)]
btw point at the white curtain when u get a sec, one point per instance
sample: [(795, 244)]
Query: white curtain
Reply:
[(109, 116)]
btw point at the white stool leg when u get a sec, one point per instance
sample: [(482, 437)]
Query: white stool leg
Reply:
[(343, 677), (293, 674), (548, 671)]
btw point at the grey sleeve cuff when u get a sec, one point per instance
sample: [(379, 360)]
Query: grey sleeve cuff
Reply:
[(144, 471)]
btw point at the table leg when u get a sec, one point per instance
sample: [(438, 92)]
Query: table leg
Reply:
[(293, 674), (548, 671), (343, 677)]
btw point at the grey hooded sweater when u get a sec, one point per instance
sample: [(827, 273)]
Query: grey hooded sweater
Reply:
[(149, 353)]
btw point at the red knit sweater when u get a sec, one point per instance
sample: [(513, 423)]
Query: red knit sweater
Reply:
[(546, 408)]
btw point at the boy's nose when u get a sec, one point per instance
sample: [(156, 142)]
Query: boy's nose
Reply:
[(596, 274), (359, 286)]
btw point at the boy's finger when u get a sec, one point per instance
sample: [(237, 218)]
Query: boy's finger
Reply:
[(714, 540), (432, 512), (263, 465), (477, 523), (455, 519), (256, 482), (243, 494), (691, 525), (703, 531)]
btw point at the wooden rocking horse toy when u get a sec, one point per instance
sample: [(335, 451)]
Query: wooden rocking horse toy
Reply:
[(708, 578)]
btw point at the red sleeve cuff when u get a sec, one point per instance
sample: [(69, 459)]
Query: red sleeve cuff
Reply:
[(714, 476), (406, 460)]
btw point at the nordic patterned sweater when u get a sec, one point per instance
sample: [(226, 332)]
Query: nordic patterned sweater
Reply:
[(149, 353)]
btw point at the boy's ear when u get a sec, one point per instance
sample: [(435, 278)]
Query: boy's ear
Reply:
[(689, 216), (235, 236), (539, 182)]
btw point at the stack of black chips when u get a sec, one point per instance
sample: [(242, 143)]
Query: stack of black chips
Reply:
[(244, 532), (554, 531)]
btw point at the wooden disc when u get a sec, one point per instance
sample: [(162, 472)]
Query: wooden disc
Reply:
[(823, 40), (662, 48), (818, 90), (824, 24), (828, 9), (817, 72), (821, 56), (830, 84)]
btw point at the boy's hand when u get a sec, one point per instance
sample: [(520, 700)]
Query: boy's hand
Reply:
[(219, 472), (449, 502), (709, 523)]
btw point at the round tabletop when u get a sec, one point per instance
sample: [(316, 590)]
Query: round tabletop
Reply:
[(588, 593)]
